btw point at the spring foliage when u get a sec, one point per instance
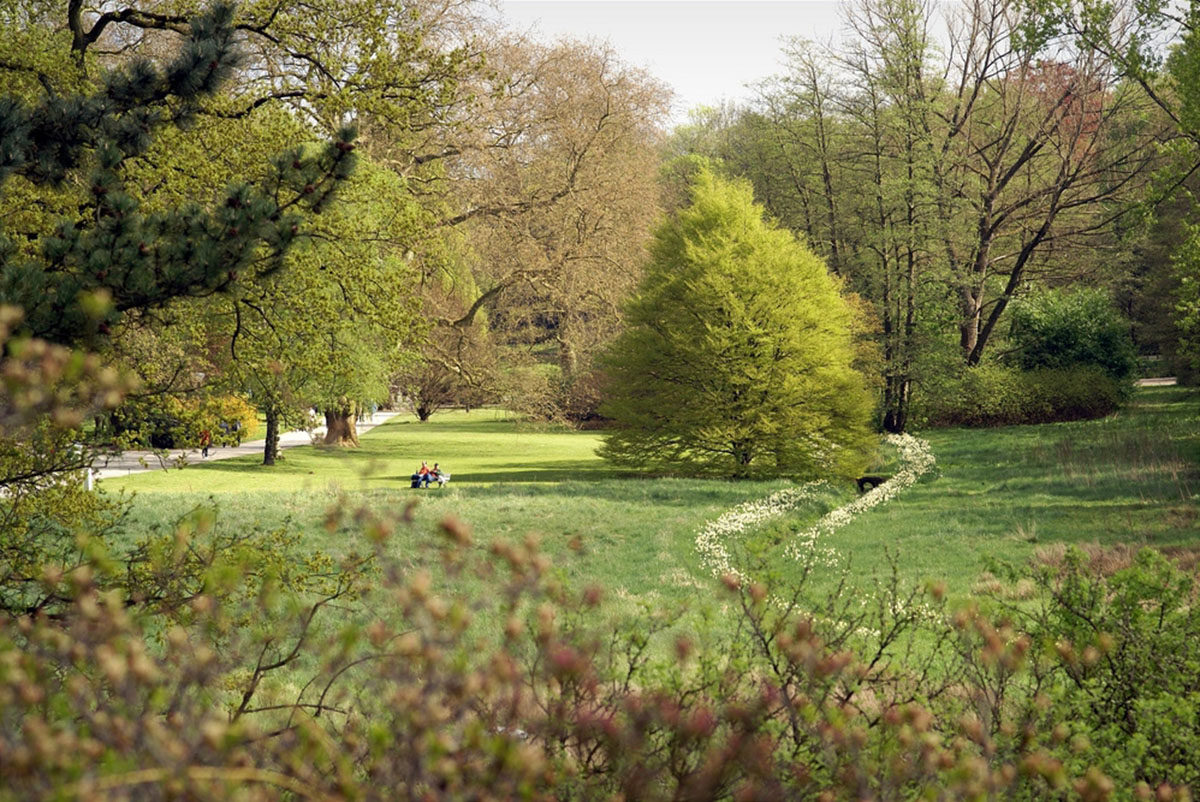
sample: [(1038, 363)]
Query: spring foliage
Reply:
[(737, 356)]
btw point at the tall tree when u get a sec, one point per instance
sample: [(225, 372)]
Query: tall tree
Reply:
[(66, 289), (737, 358), (944, 181), (76, 282), (558, 199), (396, 69)]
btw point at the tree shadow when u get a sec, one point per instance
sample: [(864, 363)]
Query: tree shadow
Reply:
[(614, 487)]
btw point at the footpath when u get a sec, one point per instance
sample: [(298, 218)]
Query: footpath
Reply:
[(140, 461)]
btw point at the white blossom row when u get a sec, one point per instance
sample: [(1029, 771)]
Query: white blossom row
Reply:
[(916, 459)]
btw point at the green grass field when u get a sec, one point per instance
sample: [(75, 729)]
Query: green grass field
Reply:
[(999, 494)]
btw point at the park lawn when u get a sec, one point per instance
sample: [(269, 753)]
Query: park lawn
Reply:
[(510, 480), (997, 495), (1016, 493), (480, 447)]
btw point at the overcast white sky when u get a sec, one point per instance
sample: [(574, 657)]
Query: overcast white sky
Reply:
[(706, 50)]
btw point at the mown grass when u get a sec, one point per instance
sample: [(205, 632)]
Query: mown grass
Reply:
[(482, 447), (997, 495), (510, 480)]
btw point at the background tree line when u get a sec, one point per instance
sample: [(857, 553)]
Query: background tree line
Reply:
[(946, 162), (950, 161)]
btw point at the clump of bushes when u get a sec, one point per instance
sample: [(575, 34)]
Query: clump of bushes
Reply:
[(1063, 330), (997, 395), (171, 422), (415, 702), (1071, 357)]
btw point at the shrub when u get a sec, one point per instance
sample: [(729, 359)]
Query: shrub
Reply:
[(994, 395), (1129, 647), (1061, 330), (171, 422), (563, 704)]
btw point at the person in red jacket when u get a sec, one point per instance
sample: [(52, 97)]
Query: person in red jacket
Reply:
[(424, 475)]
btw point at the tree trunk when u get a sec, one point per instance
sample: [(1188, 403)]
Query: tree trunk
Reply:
[(897, 391), (340, 424), (568, 360), (972, 311), (271, 445)]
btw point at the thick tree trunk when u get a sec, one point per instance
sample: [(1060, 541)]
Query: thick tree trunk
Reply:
[(568, 360), (972, 309), (271, 445), (340, 424)]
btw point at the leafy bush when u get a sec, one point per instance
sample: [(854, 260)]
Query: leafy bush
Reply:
[(1061, 330), (994, 395), (808, 698), (171, 422), (1128, 652)]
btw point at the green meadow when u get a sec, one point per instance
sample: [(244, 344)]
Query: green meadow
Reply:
[(1010, 494)]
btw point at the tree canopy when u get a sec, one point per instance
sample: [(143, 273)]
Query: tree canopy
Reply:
[(737, 357)]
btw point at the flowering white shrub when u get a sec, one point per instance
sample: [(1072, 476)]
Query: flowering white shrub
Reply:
[(711, 540), (915, 460)]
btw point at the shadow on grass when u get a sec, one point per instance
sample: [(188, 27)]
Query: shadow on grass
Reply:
[(631, 490)]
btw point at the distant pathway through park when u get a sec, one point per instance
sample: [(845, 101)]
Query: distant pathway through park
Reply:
[(140, 461)]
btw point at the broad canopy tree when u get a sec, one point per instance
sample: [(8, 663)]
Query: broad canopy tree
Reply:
[(738, 352), (77, 281)]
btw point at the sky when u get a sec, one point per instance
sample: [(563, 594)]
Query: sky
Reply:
[(706, 50)]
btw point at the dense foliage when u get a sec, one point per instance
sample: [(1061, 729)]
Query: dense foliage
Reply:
[(995, 395), (1084, 696), (1061, 330), (483, 251), (737, 356), (72, 287), (78, 280)]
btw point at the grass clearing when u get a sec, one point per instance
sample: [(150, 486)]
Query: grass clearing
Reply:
[(996, 495)]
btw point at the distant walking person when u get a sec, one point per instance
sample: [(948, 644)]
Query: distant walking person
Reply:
[(205, 442)]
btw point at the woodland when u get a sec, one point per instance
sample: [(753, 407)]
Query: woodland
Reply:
[(229, 221)]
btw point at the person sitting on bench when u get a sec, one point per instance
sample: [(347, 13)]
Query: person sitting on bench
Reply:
[(441, 476), (423, 476)]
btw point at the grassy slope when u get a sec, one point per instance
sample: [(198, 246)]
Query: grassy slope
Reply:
[(999, 493)]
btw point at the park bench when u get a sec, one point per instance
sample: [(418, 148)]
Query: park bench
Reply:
[(866, 483)]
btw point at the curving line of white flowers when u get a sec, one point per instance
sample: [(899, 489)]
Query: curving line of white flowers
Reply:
[(916, 460)]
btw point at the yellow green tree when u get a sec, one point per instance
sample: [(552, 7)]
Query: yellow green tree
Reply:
[(738, 352)]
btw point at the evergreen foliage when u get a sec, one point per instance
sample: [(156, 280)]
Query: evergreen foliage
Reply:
[(65, 287), (737, 357), (75, 282)]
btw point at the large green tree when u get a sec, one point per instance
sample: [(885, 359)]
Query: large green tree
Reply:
[(66, 289), (737, 359), (946, 182)]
